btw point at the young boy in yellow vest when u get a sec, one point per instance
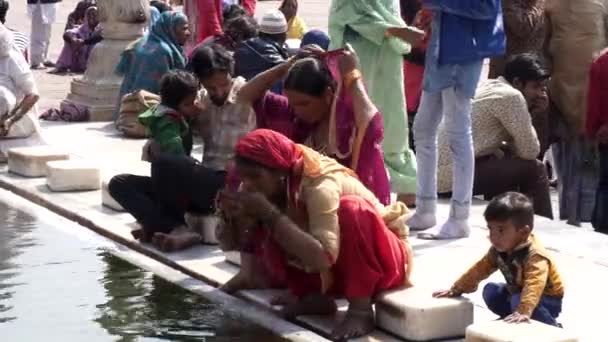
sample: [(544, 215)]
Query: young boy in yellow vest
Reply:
[(533, 288)]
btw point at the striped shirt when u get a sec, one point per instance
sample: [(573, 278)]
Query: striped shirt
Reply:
[(22, 42)]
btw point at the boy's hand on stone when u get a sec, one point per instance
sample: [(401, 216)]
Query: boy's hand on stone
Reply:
[(516, 318), (446, 294)]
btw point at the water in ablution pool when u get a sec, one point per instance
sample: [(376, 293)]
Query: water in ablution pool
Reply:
[(56, 286)]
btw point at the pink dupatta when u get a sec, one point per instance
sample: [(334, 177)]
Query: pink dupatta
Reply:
[(357, 147)]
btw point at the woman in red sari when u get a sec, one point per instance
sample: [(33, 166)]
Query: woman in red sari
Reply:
[(314, 227)]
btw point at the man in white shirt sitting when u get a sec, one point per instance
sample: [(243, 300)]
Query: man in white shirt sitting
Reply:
[(505, 140)]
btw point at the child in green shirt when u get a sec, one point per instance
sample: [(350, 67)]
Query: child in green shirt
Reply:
[(169, 122)]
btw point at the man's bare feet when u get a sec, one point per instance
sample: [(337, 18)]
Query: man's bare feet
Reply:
[(175, 241), (359, 321), (141, 235), (315, 304)]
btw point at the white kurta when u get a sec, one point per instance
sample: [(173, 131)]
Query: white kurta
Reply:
[(17, 81), (43, 16)]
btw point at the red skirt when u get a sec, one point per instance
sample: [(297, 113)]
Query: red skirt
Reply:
[(371, 259)]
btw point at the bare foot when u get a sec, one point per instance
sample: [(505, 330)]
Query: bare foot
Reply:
[(316, 304), (162, 241), (285, 298), (357, 323), (141, 235), (175, 241)]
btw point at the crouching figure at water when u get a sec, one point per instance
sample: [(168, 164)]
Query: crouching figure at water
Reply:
[(312, 226)]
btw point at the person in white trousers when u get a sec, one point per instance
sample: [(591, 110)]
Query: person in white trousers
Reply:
[(43, 14)]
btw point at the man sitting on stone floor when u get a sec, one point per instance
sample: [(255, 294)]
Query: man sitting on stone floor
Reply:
[(505, 141), (18, 96), (181, 192)]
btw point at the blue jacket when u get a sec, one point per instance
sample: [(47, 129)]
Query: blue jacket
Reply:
[(471, 30), (257, 55)]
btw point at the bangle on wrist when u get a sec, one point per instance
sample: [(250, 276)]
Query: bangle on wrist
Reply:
[(350, 78)]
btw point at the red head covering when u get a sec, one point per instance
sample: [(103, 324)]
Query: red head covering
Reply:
[(275, 151), (270, 149)]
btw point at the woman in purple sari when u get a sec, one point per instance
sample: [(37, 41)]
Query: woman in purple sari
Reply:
[(79, 43), (325, 107)]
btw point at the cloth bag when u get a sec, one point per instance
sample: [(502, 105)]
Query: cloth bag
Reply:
[(131, 106)]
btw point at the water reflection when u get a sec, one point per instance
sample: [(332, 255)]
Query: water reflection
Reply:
[(55, 287), (11, 243)]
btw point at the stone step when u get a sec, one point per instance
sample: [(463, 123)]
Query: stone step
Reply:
[(73, 175), (107, 200), (31, 161), (413, 314), (499, 331), (233, 257)]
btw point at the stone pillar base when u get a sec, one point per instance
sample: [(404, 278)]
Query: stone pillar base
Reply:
[(99, 99), (98, 89)]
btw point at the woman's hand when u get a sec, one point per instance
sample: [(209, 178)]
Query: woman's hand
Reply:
[(312, 50), (411, 35), (257, 206), (348, 62)]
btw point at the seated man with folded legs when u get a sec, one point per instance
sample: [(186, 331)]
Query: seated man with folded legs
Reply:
[(180, 189), (505, 140)]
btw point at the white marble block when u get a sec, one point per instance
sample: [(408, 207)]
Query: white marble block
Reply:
[(499, 331), (73, 175), (205, 225), (31, 161), (413, 314), (233, 257), (107, 200)]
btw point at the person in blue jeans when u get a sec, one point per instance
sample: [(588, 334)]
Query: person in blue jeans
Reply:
[(463, 33), (533, 289)]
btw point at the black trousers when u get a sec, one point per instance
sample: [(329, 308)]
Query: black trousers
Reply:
[(177, 185), (494, 176), (599, 220)]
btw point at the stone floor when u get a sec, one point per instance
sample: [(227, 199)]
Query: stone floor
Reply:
[(580, 253)]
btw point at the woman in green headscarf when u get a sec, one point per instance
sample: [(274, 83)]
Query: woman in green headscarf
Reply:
[(372, 28), (144, 62)]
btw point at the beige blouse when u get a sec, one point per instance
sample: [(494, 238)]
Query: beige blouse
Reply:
[(500, 113), (321, 197)]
